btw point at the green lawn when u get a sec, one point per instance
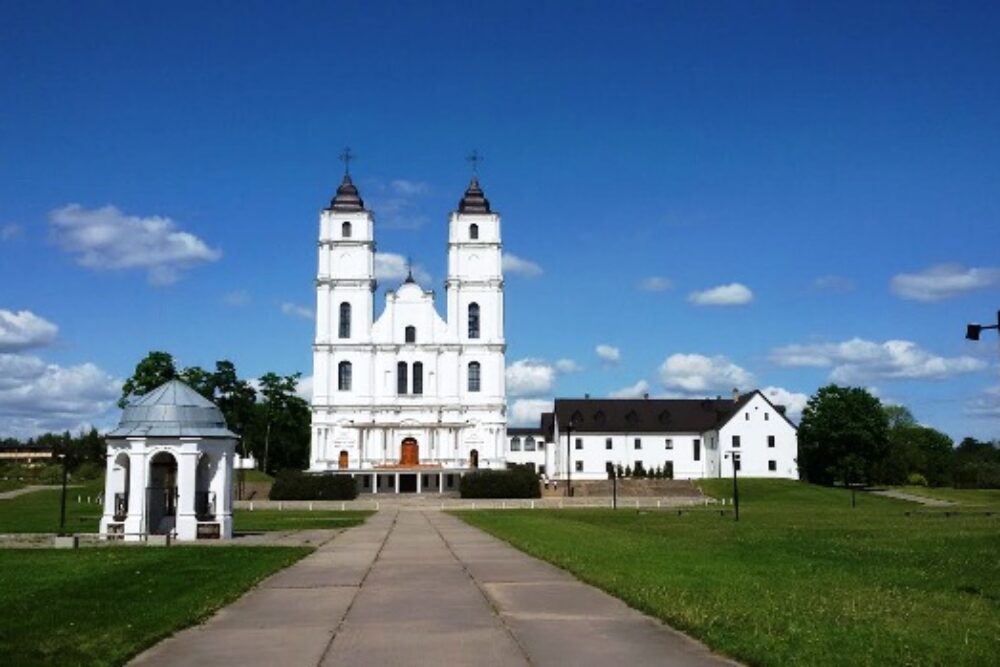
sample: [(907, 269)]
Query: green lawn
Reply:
[(801, 579), (38, 511), (967, 498), (102, 606), (265, 520), (11, 484)]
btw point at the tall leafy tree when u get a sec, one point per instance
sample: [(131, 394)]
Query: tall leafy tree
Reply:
[(282, 423), (235, 397), (155, 369), (200, 380), (843, 436)]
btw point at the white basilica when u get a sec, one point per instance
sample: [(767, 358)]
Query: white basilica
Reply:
[(408, 401)]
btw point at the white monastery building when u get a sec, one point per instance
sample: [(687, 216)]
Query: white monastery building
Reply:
[(410, 394), (409, 401)]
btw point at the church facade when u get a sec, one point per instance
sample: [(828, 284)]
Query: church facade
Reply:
[(408, 400)]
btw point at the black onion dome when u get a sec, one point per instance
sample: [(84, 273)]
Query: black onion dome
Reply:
[(347, 197), (474, 200)]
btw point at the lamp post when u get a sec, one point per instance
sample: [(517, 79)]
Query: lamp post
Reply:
[(972, 331), (569, 457), (62, 510), (735, 456)]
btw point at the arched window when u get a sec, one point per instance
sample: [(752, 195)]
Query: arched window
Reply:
[(345, 230), (345, 320), (529, 444), (515, 444), (418, 378), (401, 382), (411, 334), (474, 379), (473, 320), (344, 376), (473, 231)]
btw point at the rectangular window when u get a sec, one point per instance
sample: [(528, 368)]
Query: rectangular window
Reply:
[(579, 466), (367, 481), (697, 449), (401, 379), (767, 416), (418, 378), (529, 444), (736, 441), (608, 444), (670, 443), (737, 464), (770, 441), (515, 444), (638, 443), (541, 469), (772, 465), (747, 416), (579, 443)]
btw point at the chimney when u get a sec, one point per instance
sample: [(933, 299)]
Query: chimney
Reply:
[(646, 396), (586, 396), (736, 395)]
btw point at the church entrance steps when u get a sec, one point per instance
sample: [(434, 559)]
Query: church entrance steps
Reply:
[(423, 588)]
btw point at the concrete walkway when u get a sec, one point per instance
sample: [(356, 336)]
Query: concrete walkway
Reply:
[(423, 588), (913, 498), (7, 495)]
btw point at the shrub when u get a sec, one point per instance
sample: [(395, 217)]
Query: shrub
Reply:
[(295, 485), (628, 471), (515, 482), (87, 470), (916, 479)]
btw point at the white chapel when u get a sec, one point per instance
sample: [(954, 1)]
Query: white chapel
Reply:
[(408, 401)]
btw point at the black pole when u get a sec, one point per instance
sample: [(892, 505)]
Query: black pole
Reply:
[(853, 503), (62, 511), (614, 488), (736, 492), (569, 467)]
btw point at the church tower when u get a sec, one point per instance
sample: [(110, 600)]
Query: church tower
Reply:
[(345, 292)]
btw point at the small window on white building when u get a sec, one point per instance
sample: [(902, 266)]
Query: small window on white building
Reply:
[(772, 465), (541, 469), (473, 231), (736, 441), (345, 230), (746, 415), (344, 376), (770, 441), (608, 443), (579, 443), (579, 466), (515, 444), (767, 416), (474, 379), (638, 443), (697, 449), (670, 443), (410, 334), (529, 444)]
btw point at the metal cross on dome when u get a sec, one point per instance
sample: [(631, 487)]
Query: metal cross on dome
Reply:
[(475, 158), (346, 156)]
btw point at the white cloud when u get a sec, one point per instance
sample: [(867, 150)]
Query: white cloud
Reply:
[(986, 405), (107, 239), (733, 294), (638, 390), (10, 231), (396, 203), (236, 298), (794, 402), (23, 330), (568, 366), (304, 389), (393, 267), (609, 354), (655, 284), (295, 310), (698, 374), (833, 283), (858, 360), (528, 411), (943, 281), (518, 266), (36, 397), (530, 377)]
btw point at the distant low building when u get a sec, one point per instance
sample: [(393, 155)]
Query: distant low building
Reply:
[(688, 438)]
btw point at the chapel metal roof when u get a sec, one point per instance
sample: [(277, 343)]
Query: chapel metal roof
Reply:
[(172, 410), (347, 197), (474, 200)]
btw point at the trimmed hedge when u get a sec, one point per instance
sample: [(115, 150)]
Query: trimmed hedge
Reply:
[(515, 482), (295, 485)]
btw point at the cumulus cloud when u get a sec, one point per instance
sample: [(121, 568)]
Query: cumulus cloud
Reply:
[(397, 203), (528, 411), (530, 377), (10, 231), (733, 294), (699, 374), (236, 298), (295, 310), (518, 266), (568, 366), (37, 397), (833, 283), (23, 330), (943, 281), (638, 390), (858, 360), (655, 284), (794, 402), (107, 239), (390, 267), (609, 354)]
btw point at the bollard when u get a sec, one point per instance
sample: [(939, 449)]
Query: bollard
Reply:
[(657, 504), (503, 504), (251, 506), (637, 503), (376, 506), (532, 504), (343, 506), (310, 507), (281, 506), (78, 499)]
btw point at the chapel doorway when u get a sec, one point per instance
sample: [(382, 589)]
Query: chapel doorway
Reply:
[(161, 494), (342, 460), (474, 458), (407, 483), (409, 454)]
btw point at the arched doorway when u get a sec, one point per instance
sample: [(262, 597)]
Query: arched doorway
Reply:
[(409, 453), (204, 499), (120, 481), (474, 458), (161, 494), (343, 460)]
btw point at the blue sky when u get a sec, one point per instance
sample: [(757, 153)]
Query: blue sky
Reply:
[(833, 169)]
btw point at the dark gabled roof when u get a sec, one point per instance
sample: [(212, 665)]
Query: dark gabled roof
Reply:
[(647, 415), (548, 425), (474, 200), (347, 198), (520, 431)]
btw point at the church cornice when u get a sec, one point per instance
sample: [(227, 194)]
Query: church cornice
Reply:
[(346, 243), (347, 282)]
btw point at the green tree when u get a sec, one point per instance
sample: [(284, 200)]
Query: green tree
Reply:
[(843, 436), (235, 397), (200, 380), (925, 451), (282, 421), (898, 416), (155, 369)]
